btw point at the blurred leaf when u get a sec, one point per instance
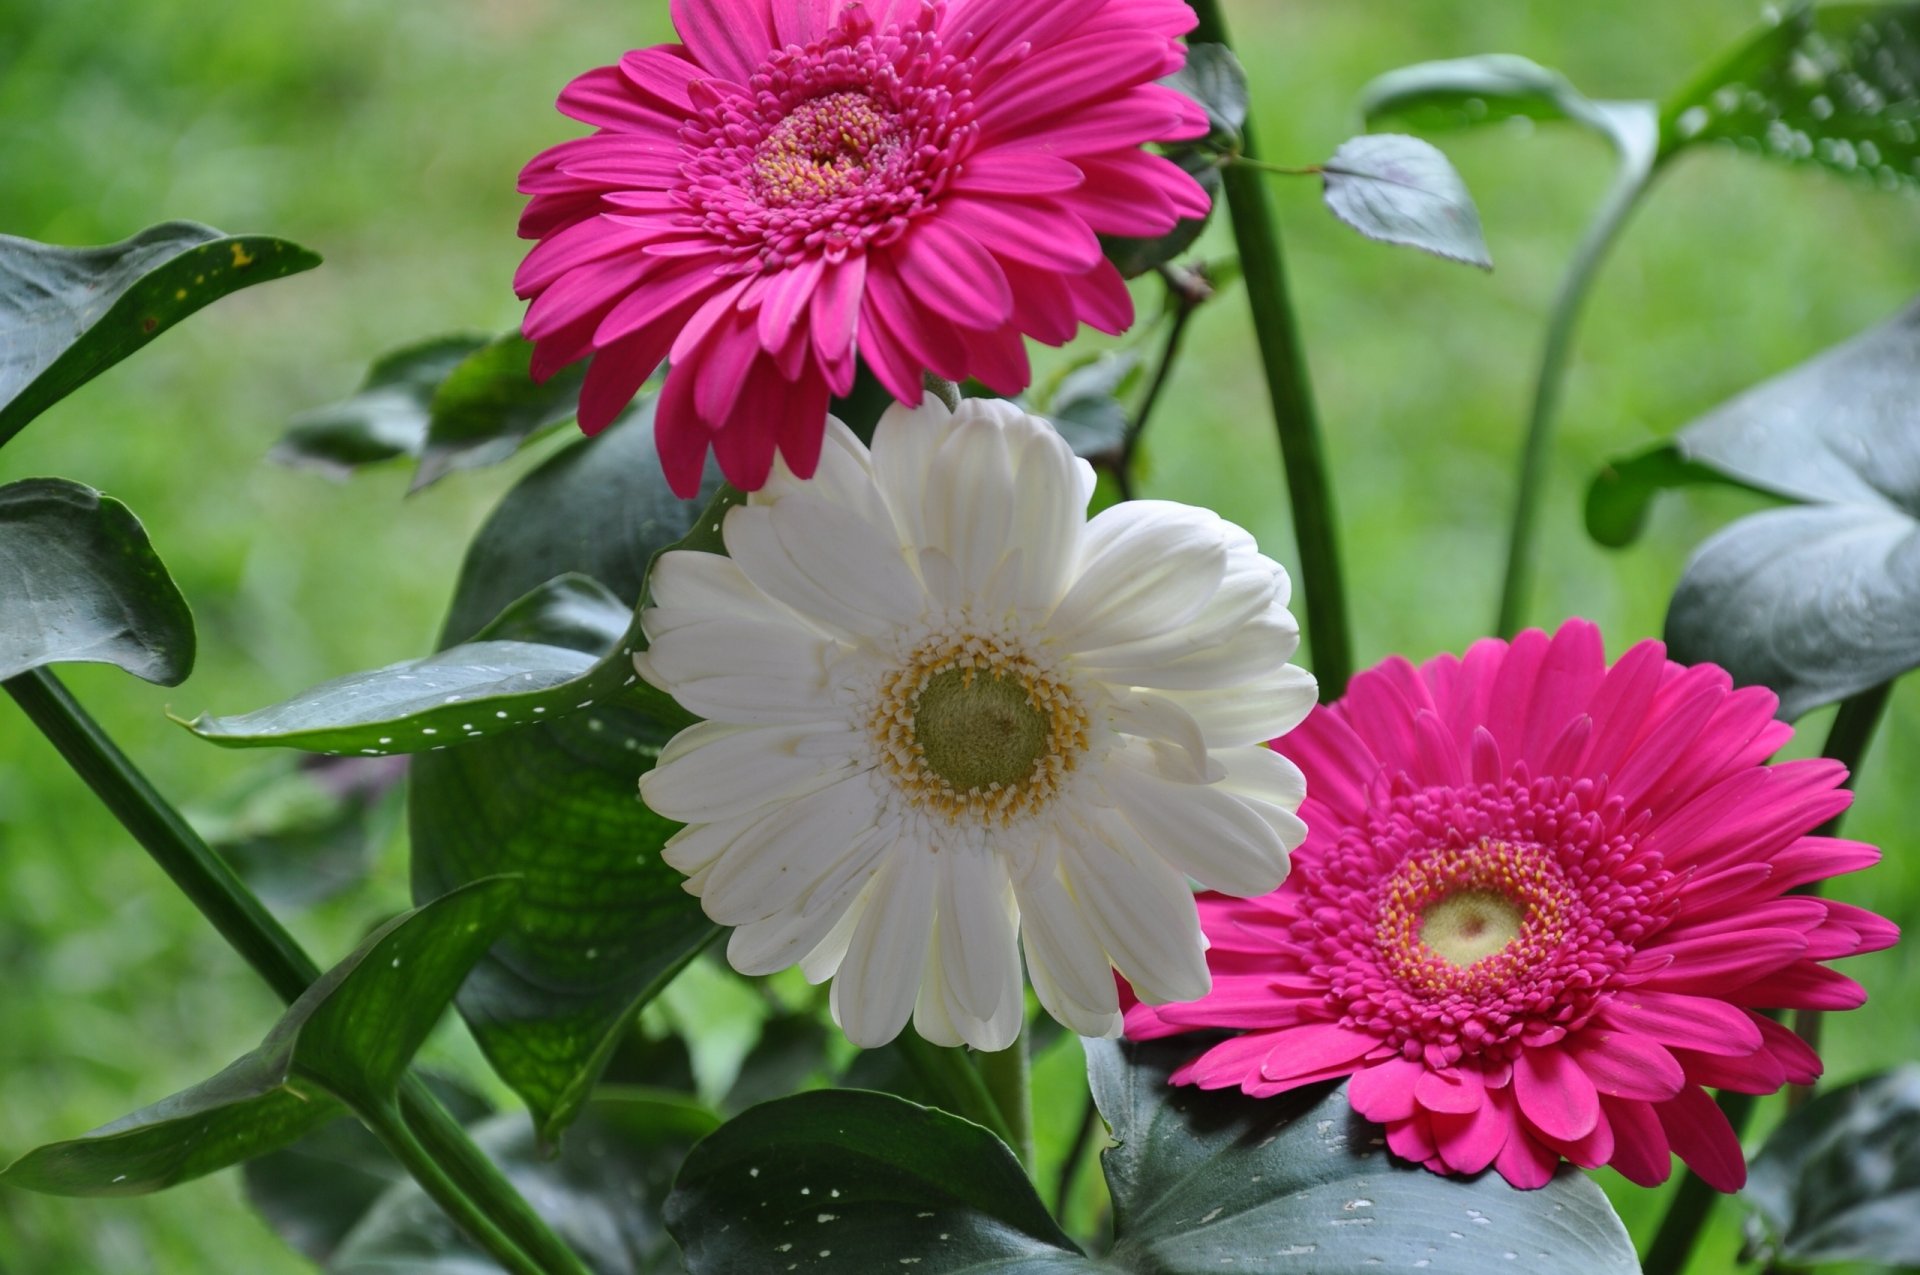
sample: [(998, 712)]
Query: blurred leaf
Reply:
[(489, 405), (1835, 85), (1622, 493), (340, 1199), (1462, 92), (1201, 1181), (1820, 600), (385, 419), (1214, 78), (608, 924), (843, 1180), (349, 1037), (1401, 190), (1134, 257), (790, 1055), (1086, 405), (69, 314), (303, 832), (82, 584), (1837, 1180)]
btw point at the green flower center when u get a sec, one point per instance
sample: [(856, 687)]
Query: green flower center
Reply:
[(979, 730), (1470, 925)]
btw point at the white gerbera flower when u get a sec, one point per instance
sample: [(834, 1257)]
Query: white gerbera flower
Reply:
[(949, 716)]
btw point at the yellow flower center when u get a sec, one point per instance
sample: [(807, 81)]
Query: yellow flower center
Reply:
[(824, 149), (970, 727), (1470, 926)]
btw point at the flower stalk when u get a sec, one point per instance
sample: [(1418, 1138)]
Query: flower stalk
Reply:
[(1008, 1074), (516, 1236), (1284, 361)]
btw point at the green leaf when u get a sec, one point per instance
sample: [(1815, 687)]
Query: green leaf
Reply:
[(1820, 600), (69, 314), (571, 610), (1463, 92), (348, 1038), (82, 584), (1200, 1181), (1214, 78), (1837, 1180), (489, 405), (339, 1198), (387, 418), (1401, 190), (304, 830), (1086, 405), (845, 1180), (1837, 86), (1621, 494), (609, 924)]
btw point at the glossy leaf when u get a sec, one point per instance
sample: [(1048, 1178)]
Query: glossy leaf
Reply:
[(1837, 1180), (340, 1199), (81, 583), (1836, 86), (348, 1038), (1401, 190), (608, 924), (69, 314), (489, 405), (1819, 600), (387, 418), (1200, 1181)]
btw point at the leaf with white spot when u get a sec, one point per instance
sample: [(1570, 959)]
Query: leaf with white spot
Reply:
[(1401, 190)]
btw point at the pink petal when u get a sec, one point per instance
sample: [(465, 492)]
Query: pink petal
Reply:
[(1702, 1137), (663, 75), (1571, 673), (1694, 1022), (1412, 1139), (836, 307), (1624, 1065), (1797, 1058), (1383, 1093), (1468, 1143), (604, 98), (732, 37), (1640, 1151), (803, 21), (1229, 1064), (789, 297), (898, 370), (1101, 297), (613, 378), (1802, 986), (1721, 962), (951, 272), (1027, 174), (1038, 234), (1455, 1092), (1555, 1094), (1068, 76), (1525, 1163), (1758, 1073), (1620, 705), (1313, 1048)]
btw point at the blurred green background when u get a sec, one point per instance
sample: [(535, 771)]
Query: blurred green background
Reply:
[(387, 136)]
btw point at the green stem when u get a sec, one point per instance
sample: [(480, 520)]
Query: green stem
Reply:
[(956, 1082), (394, 1133), (1283, 359), (1009, 1079), (259, 938), (1548, 386), (1847, 740), (1182, 301)]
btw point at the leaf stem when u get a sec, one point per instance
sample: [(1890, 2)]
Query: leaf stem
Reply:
[(1309, 487), (398, 1137), (1549, 385), (1009, 1079), (1847, 741), (259, 938), (1278, 170), (1184, 296)]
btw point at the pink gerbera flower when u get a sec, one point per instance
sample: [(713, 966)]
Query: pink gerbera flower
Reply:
[(918, 182), (1539, 905)]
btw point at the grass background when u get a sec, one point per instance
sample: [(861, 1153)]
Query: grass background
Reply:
[(387, 137)]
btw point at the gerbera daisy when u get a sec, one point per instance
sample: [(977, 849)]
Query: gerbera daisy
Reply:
[(918, 182), (1541, 905), (949, 716)]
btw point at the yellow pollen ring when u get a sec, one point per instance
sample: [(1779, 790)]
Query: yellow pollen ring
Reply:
[(1471, 918), (970, 728)]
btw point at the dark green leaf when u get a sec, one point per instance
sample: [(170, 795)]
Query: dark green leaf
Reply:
[(790, 1055), (1838, 1179), (69, 314), (572, 610), (82, 584), (608, 923), (1134, 257), (1401, 190), (386, 419), (349, 1037), (1462, 92), (844, 1180), (303, 831), (1214, 78), (489, 405), (1835, 85), (1821, 600), (1622, 493)]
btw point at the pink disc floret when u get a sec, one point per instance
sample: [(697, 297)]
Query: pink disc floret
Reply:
[(803, 184), (1540, 907)]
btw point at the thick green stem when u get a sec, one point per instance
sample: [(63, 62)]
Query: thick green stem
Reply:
[(1009, 1078), (956, 1082), (1284, 361), (261, 940), (1693, 1201), (395, 1134), (1549, 384)]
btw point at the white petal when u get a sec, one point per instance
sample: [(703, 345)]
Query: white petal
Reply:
[(844, 478), (1069, 968), (1271, 785), (968, 510), (715, 770), (786, 854), (1158, 717), (746, 671), (697, 847), (1174, 661), (932, 1007), (874, 990), (781, 940), (1251, 712), (904, 443), (978, 951), (1208, 833), (826, 563), (1146, 566), (1051, 489), (823, 962), (1139, 908)]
